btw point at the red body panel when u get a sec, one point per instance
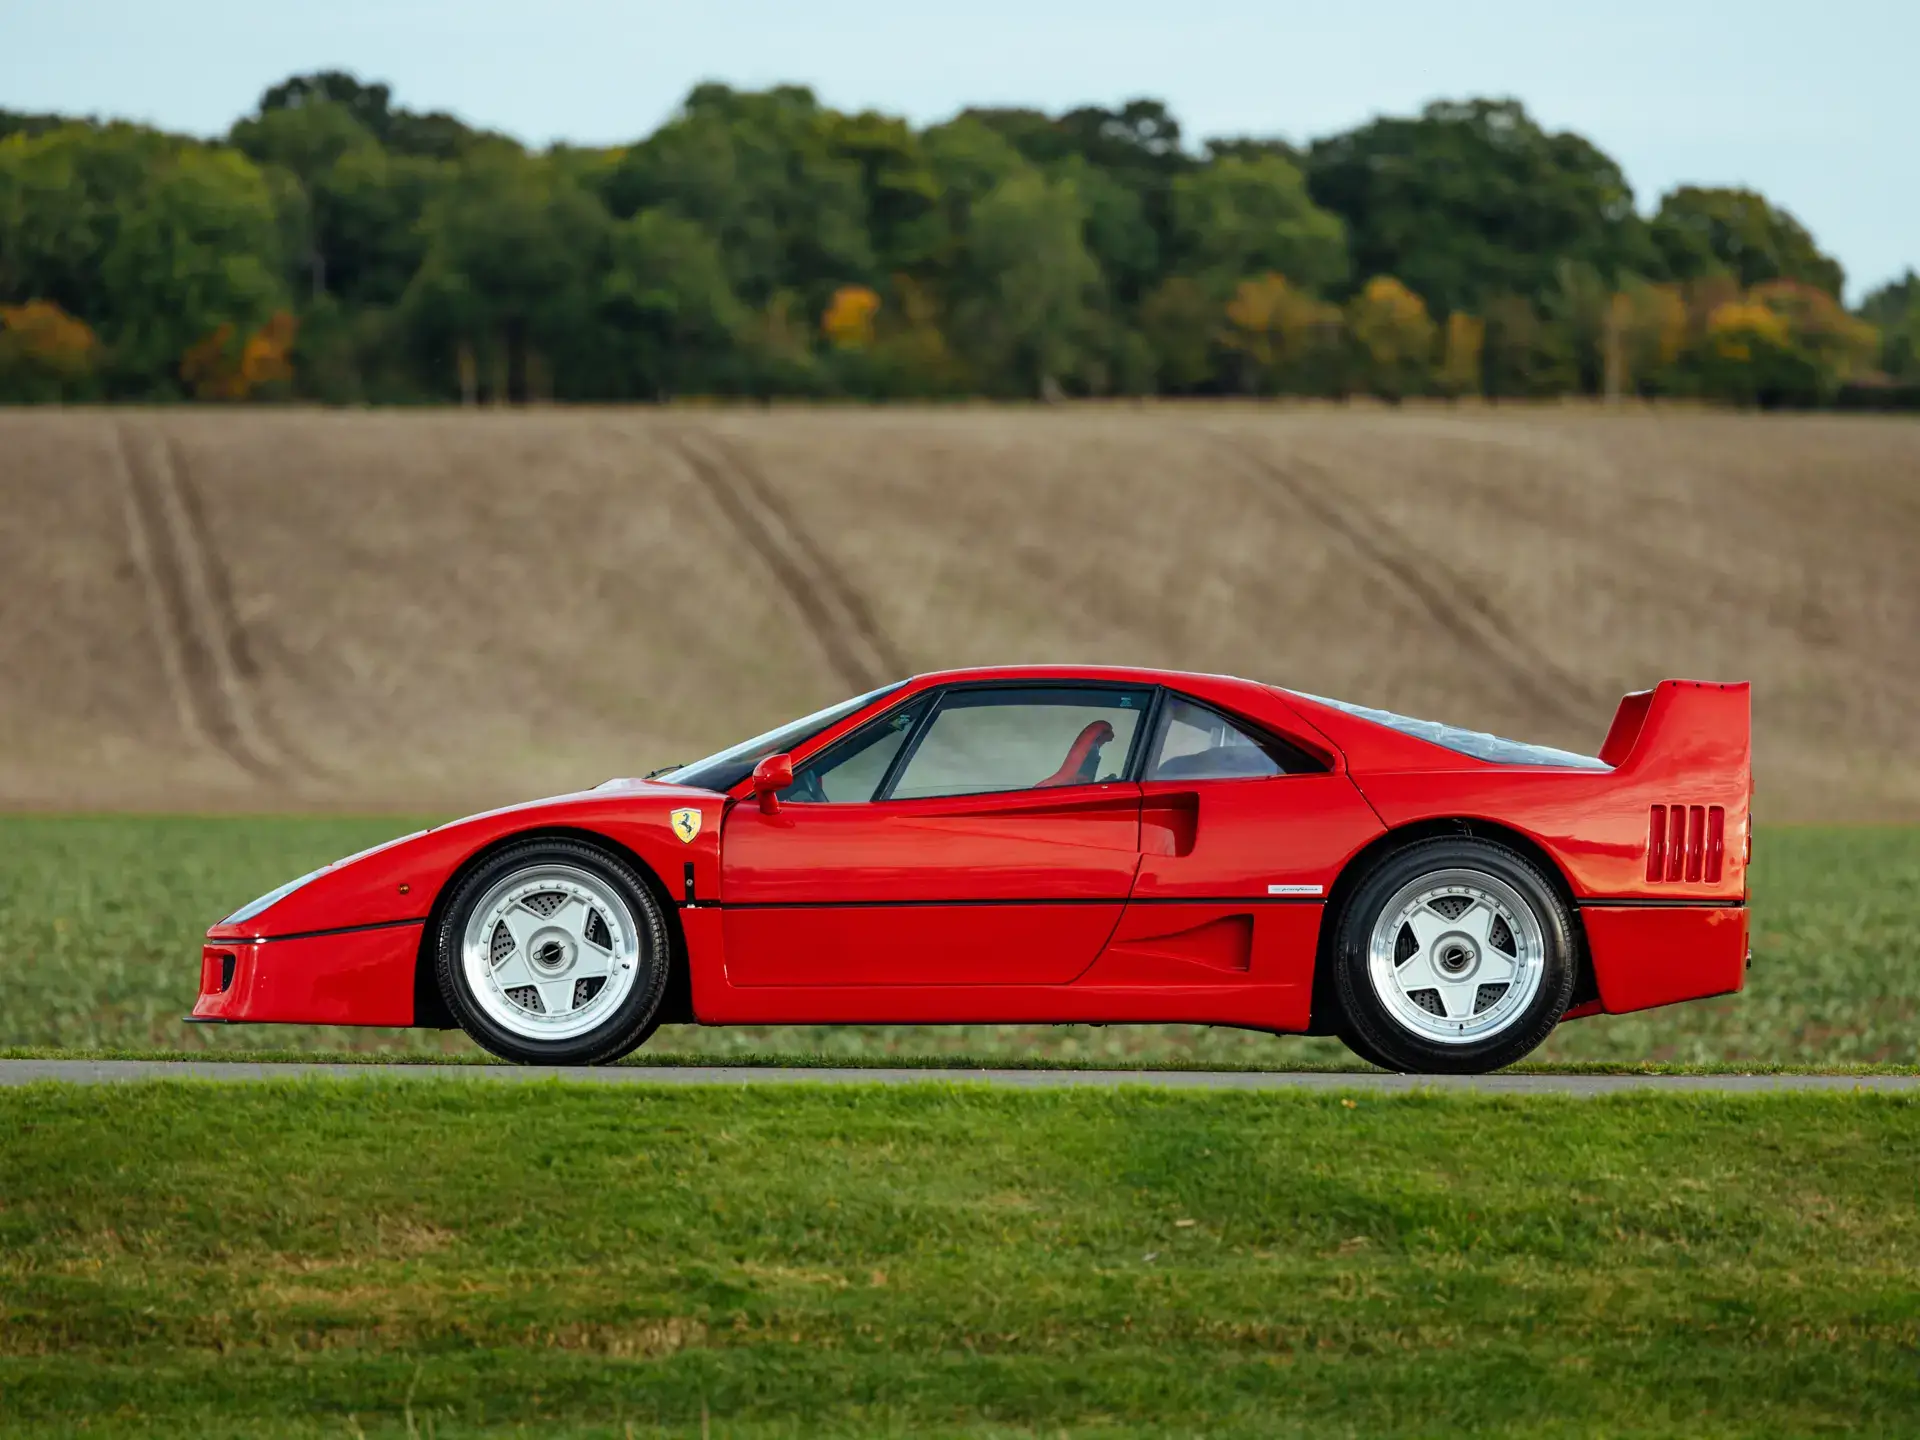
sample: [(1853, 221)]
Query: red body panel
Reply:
[(1193, 901), (1691, 749), (1079, 843), (399, 881), (1032, 943), (1655, 957), (360, 977), (976, 890), (1217, 839)]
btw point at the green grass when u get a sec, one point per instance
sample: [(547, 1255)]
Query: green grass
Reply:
[(948, 1066), (100, 919), (370, 1257)]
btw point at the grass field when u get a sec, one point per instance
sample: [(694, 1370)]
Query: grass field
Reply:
[(371, 1258), (100, 919), (384, 1259)]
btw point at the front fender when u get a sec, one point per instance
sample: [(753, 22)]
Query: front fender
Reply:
[(399, 881)]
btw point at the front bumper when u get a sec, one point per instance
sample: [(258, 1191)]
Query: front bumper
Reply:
[(346, 977)]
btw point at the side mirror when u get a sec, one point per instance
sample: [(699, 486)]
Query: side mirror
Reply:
[(770, 777)]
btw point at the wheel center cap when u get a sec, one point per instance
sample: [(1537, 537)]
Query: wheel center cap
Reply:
[(1455, 955), (551, 952)]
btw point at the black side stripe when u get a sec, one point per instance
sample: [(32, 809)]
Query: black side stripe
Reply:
[(950, 904), (1639, 903)]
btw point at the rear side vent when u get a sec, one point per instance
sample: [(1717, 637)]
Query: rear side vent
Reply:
[(1686, 843)]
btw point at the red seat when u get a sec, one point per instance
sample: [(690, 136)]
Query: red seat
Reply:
[(1083, 758)]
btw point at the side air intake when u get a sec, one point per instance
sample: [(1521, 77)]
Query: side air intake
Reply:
[(1686, 843)]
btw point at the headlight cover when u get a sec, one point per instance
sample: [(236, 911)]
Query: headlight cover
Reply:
[(273, 897)]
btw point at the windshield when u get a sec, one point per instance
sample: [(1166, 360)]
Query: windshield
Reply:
[(727, 768), (1476, 743)]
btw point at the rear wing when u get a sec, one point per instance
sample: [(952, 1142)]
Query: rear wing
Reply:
[(1687, 747), (1685, 728)]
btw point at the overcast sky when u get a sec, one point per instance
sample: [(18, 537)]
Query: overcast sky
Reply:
[(1815, 105)]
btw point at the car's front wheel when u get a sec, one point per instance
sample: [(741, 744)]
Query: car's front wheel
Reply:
[(1454, 956), (553, 952)]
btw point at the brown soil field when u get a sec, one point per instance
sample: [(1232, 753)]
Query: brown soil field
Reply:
[(434, 611)]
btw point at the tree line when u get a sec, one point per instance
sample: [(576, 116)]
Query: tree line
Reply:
[(339, 248)]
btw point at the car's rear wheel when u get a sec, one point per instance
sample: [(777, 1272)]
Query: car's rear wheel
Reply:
[(1454, 956), (553, 952)]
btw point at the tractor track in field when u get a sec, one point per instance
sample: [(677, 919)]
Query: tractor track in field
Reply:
[(210, 666), (1447, 598), (831, 608)]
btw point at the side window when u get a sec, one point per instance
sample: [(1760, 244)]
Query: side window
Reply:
[(1022, 738), (1200, 744), (853, 769)]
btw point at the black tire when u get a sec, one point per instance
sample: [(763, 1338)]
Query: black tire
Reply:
[(623, 1028), (1371, 1027), (1365, 1051)]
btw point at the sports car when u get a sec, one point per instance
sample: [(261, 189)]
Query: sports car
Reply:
[(1058, 844)]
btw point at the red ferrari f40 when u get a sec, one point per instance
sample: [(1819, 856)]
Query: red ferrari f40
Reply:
[(1059, 844)]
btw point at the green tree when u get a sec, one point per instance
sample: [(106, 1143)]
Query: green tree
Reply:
[(432, 135), (899, 186), (1473, 199), (1738, 233), (1894, 309), (1180, 320), (674, 322), (506, 289), (1235, 218), (1523, 357), (1026, 286), (1123, 163), (152, 241), (762, 173)]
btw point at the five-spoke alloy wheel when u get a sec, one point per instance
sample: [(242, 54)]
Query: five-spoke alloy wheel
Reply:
[(553, 951), (1455, 955)]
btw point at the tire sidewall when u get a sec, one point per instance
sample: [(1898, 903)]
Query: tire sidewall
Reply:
[(622, 1030), (1381, 1038)]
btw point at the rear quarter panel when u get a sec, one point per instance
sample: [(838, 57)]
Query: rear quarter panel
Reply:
[(1595, 826), (1692, 749)]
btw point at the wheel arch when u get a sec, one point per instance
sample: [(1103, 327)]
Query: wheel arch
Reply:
[(1324, 1012), (430, 1007)]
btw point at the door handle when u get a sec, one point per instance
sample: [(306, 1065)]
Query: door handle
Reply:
[(1168, 823)]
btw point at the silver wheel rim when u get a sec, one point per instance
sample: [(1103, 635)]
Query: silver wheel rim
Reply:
[(550, 952), (1457, 956)]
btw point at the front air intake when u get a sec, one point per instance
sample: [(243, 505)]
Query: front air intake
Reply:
[(1686, 844)]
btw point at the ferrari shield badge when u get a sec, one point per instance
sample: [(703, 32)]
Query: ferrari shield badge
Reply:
[(686, 824)]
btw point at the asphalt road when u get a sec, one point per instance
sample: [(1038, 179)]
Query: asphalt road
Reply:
[(100, 1072)]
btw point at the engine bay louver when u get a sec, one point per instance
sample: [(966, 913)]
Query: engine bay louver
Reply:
[(1686, 844)]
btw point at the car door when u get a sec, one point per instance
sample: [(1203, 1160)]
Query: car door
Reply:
[(1242, 835), (982, 835)]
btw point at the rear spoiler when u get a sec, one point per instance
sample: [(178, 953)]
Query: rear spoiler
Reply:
[(1685, 727)]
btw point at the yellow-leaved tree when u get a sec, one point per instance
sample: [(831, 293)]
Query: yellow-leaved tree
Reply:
[(848, 321), (1840, 345), (220, 366), (45, 353), (1460, 363), (1394, 335), (1279, 332)]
